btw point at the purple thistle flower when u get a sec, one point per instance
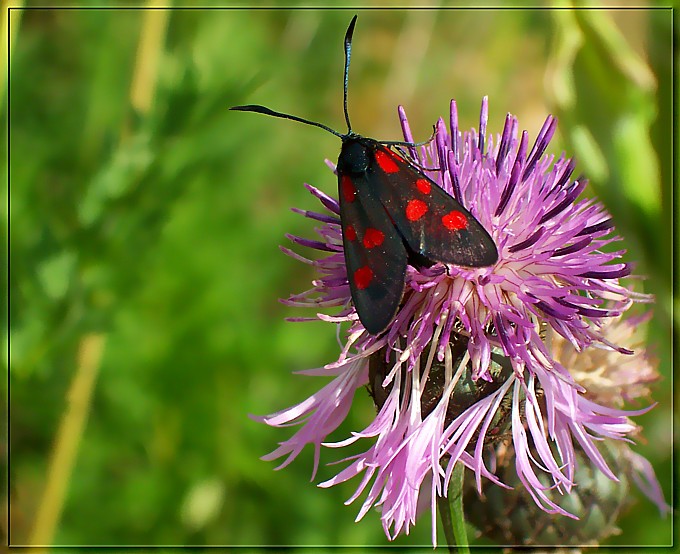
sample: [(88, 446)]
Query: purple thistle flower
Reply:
[(459, 327)]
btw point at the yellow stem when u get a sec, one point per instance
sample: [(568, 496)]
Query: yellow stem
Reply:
[(68, 439), (145, 75), (9, 20)]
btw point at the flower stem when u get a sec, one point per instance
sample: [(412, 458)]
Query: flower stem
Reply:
[(451, 512)]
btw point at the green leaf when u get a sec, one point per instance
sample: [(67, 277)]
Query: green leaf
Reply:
[(126, 167), (55, 274)]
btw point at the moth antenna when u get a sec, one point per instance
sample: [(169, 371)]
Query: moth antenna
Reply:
[(411, 144), (348, 54), (266, 111)]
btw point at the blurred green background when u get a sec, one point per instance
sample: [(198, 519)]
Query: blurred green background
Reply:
[(146, 219)]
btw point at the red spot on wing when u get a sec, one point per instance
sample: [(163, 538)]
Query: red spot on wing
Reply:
[(415, 209), (373, 237), (386, 162), (349, 193), (350, 233), (363, 277), (455, 220), (424, 186)]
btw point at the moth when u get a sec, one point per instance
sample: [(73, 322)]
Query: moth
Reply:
[(391, 215)]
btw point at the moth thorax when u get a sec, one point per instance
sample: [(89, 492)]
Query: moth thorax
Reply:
[(354, 157), (466, 392)]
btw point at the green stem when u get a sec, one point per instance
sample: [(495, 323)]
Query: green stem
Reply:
[(451, 512), (445, 514)]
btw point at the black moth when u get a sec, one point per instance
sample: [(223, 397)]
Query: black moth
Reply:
[(392, 214)]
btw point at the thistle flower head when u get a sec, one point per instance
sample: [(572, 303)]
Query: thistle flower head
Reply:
[(609, 377), (464, 361)]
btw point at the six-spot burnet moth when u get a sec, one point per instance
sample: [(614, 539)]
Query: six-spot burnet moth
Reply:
[(391, 215)]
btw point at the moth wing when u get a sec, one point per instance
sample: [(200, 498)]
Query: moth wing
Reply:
[(433, 223), (375, 255)]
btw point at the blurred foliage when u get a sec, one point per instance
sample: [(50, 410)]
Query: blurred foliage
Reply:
[(158, 228)]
